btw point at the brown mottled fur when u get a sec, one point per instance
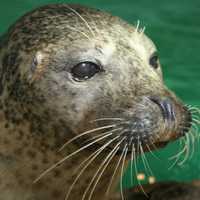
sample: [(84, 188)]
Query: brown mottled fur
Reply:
[(42, 107)]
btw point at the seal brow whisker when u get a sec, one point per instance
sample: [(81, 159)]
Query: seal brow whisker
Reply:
[(89, 160), (101, 165), (83, 19), (81, 32), (142, 30), (85, 133), (69, 156), (116, 148), (122, 172), (114, 173), (137, 26)]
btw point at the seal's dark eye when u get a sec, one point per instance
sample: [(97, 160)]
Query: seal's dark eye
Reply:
[(84, 70), (154, 61)]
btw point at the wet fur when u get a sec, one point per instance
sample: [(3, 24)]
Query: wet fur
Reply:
[(42, 108)]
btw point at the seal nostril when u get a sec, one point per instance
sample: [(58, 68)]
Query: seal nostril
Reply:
[(166, 108)]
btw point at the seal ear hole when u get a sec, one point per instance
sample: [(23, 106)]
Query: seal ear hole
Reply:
[(85, 70), (37, 60), (154, 60), (34, 64)]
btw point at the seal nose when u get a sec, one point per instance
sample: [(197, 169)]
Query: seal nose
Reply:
[(166, 108)]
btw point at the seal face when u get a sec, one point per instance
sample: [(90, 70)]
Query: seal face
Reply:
[(71, 74)]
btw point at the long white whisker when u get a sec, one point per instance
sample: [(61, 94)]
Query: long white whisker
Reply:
[(102, 164), (187, 150), (86, 133), (177, 156), (151, 152), (90, 159), (97, 136), (136, 170), (107, 119), (122, 172), (69, 156), (145, 160), (104, 168), (115, 171), (132, 157)]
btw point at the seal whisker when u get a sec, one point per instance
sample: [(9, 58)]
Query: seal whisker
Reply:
[(85, 133), (104, 133), (187, 152), (69, 156), (193, 108), (191, 141), (81, 32), (195, 133), (89, 160), (114, 173), (147, 166), (151, 152), (136, 170), (107, 119), (177, 156), (152, 143), (137, 26), (122, 171), (132, 157), (100, 167), (113, 153), (144, 162), (180, 152), (94, 25), (142, 30), (197, 121), (83, 19)]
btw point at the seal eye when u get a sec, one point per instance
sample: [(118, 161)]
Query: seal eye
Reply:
[(85, 70), (154, 61)]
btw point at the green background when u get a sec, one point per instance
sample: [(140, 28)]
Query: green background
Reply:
[(174, 26)]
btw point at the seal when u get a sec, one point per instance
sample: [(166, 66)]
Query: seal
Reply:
[(81, 92)]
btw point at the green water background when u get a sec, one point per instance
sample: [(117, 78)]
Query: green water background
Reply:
[(174, 26)]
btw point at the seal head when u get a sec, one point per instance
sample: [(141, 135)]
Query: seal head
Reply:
[(67, 69)]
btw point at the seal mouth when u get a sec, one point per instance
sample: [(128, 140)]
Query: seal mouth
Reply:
[(151, 127)]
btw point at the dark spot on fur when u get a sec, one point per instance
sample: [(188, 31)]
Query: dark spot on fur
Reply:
[(18, 151), (57, 173), (34, 167), (6, 142), (56, 194), (6, 125), (31, 154), (45, 160)]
